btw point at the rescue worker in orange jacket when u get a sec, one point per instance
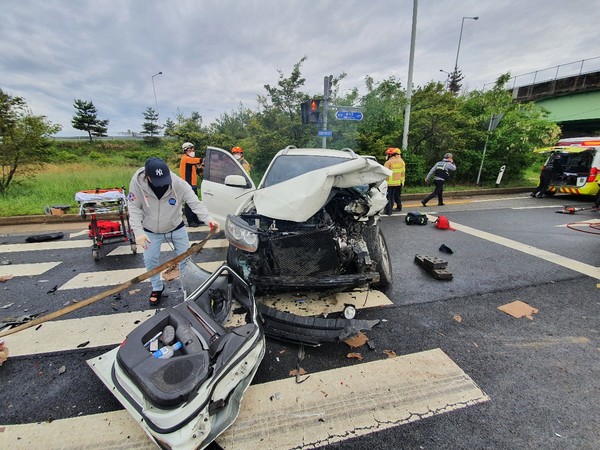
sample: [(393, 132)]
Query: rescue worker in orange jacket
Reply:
[(188, 170), (396, 164), (238, 153)]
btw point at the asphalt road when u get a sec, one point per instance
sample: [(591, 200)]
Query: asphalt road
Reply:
[(542, 376)]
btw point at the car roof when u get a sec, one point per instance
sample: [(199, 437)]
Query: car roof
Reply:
[(344, 153)]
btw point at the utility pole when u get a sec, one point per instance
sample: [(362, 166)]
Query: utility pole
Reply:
[(413, 37), (326, 98)]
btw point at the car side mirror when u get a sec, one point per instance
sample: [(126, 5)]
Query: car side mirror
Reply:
[(236, 181)]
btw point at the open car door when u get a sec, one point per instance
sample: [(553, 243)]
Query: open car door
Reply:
[(225, 185)]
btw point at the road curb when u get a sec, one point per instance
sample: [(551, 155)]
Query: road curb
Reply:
[(69, 218)]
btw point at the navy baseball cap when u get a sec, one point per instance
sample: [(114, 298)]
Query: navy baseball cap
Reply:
[(158, 172)]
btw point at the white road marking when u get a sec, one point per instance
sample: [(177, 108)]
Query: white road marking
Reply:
[(61, 335), (115, 277), (37, 246), (535, 207), (560, 260), (329, 407), (165, 247), (27, 270)]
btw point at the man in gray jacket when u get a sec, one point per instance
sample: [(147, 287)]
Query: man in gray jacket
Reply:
[(440, 173), (156, 198)]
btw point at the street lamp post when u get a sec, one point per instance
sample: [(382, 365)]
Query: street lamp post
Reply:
[(448, 75), (154, 89), (462, 24)]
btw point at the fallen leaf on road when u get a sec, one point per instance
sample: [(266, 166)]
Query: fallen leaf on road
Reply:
[(62, 370), (357, 341), (354, 355), (519, 309), (294, 372), (5, 278), (390, 353), (457, 318), (134, 291)]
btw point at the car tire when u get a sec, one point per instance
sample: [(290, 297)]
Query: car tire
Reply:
[(378, 250)]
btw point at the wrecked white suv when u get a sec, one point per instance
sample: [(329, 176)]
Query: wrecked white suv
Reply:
[(311, 224)]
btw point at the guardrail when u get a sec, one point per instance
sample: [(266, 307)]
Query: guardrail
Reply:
[(571, 69)]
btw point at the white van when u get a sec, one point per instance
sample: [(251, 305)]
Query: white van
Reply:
[(577, 169)]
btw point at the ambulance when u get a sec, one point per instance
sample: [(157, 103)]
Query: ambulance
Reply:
[(576, 164)]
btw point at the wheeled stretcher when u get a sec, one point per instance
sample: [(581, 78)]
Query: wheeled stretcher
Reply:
[(96, 203)]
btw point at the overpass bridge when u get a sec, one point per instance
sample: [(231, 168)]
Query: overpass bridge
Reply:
[(570, 92)]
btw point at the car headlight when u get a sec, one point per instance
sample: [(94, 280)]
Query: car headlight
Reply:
[(240, 234)]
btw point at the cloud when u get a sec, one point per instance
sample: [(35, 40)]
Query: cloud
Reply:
[(218, 54)]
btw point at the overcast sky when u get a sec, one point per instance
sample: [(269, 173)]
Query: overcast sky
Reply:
[(217, 54)]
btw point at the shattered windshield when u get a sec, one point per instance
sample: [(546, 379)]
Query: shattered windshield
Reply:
[(287, 167)]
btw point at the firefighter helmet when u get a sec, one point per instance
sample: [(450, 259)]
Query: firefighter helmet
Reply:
[(237, 150)]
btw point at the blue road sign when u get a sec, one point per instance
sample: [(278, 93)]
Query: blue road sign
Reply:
[(349, 115), (325, 133)]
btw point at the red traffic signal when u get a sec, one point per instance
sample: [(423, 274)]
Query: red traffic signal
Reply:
[(310, 111)]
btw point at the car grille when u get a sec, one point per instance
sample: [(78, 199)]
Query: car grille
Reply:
[(306, 253)]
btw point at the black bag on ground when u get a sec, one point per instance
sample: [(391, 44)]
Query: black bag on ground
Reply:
[(416, 218)]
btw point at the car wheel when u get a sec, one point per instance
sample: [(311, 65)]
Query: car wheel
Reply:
[(380, 254)]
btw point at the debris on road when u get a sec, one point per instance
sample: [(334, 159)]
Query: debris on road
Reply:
[(519, 309), (53, 289), (354, 355), (172, 273), (45, 237), (444, 248), (434, 266)]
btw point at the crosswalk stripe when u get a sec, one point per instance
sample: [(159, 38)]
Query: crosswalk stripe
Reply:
[(114, 277), (68, 334), (333, 405), (88, 243), (330, 406), (165, 247), (37, 246), (61, 335), (26, 270)]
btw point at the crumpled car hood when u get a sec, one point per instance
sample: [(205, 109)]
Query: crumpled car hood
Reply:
[(301, 197)]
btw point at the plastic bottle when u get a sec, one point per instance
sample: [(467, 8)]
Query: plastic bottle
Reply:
[(167, 351)]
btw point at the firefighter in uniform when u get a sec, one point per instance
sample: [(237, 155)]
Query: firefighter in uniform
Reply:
[(440, 173), (396, 164), (188, 170), (238, 153)]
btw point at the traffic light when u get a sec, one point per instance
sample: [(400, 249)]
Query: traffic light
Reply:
[(314, 113), (310, 111)]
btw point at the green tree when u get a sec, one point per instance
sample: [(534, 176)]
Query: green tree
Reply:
[(190, 129), (169, 128), (150, 127), (23, 139), (86, 119)]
